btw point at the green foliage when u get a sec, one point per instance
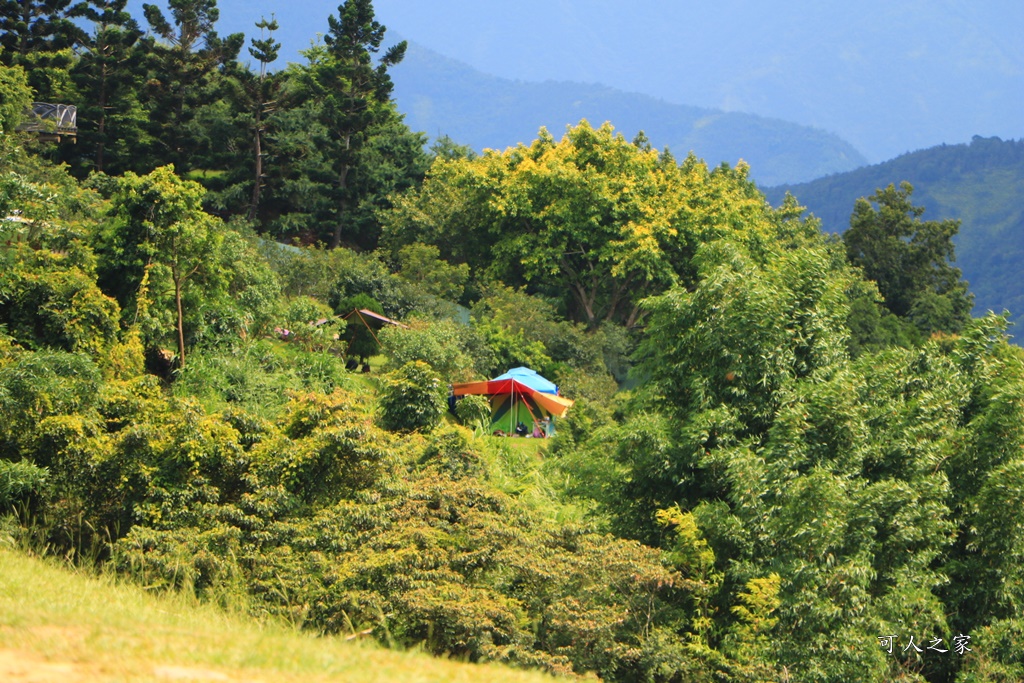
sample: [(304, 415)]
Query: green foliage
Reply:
[(351, 91), (239, 291), (1001, 660), (310, 271), (109, 79), (520, 329), (367, 275), (203, 279), (51, 299), (335, 463), (443, 344), (909, 260), (347, 281), (451, 452), (873, 327), (39, 35), (747, 330), (421, 264), (19, 480), (256, 376), (159, 220), (412, 398), (37, 386), (510, 349), (189, 60), (15, 98), (592, 220), (311, 323), (474, 412)]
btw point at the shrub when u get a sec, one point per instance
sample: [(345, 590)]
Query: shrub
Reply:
[(39, 385), (301, 317), (412, 398), (441, 344), (248, 375), (452, 454), (19, 480), (474, 412)]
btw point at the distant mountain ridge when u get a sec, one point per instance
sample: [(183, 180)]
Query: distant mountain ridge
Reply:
[(981, 184), (886, 77), (442, 96)]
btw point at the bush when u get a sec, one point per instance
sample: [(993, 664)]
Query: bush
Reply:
[(452, 454), (249, 375), (39, 385), (19, 480), (366, 274), (440, 344), (300, 317), (474, 412), (412, 398)]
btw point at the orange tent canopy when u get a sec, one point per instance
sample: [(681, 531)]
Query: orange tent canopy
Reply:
[(556, 405)]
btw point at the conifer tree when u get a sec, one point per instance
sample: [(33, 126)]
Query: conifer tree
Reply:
[(352, 90), (910, 260), (265, 51), (39, 35), (183, 66), (108, 76)]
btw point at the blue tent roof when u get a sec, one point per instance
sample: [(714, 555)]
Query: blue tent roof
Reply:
[(531, 379)]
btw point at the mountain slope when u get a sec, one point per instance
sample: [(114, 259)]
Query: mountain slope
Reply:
[(981, 183), (444, 97), (887, 77)]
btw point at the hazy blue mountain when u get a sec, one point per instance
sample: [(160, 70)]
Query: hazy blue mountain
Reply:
[(444, 97), (888, 77), (981, 183)]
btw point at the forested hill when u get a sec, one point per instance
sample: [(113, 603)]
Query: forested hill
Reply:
[(980, 183), (803, 483), (442, 96)]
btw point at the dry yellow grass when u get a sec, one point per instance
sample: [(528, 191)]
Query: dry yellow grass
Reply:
[(60, 626)]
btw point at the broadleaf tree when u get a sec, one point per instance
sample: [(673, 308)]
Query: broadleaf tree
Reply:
[(159, 220)]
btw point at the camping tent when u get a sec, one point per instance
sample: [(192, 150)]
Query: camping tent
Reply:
[(520, 395), (362, 332)]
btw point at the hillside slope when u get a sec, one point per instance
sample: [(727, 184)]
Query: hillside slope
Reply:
[(981, 184), (58, 626), (442, 96)]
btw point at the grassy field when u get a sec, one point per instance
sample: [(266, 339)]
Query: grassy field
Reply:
[(62, 626)]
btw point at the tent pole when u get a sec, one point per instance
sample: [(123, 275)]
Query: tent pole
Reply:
[(515, 408)]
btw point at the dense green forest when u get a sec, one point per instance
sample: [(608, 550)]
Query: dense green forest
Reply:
[(979, 184), (815, 474)]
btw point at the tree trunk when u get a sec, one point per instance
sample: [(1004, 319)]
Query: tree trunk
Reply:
[(101, 125), (254, 203), (181, 322), (342, 185)]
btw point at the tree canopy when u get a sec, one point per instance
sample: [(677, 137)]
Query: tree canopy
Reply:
[(909, 259)]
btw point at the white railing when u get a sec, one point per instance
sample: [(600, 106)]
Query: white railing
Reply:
[(59, 119)]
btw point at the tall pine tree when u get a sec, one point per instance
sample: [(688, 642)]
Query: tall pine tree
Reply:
[(183, 66), (108, 77), (353, 92)]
